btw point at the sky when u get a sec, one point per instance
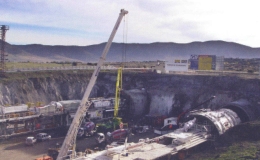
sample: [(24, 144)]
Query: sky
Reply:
[(89, 22)]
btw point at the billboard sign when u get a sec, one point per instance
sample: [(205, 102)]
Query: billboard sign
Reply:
[(177, 65), (220, 63), (205, 62), (194, 62)]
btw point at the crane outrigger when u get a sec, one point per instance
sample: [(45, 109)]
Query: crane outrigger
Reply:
[(70, 138)]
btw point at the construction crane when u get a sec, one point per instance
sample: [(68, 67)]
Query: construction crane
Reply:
[(112, 124), (118, 89), (70, 139)]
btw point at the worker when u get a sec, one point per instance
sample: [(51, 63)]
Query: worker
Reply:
[(38, 125), (59, 106), (121, 125)]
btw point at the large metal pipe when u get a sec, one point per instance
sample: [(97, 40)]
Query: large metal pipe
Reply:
[(222, 119), (232, 114)]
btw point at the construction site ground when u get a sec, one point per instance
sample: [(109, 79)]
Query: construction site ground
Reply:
[(16, 149)]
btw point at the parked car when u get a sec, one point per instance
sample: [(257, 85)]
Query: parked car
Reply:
[(43, 137), (30, 141)]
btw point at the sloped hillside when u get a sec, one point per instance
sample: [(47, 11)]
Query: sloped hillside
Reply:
[(131, 52)]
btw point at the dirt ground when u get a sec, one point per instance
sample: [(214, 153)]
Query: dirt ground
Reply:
[(15, 148)]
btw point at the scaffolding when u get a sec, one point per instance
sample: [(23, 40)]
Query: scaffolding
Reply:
[(4, 28)]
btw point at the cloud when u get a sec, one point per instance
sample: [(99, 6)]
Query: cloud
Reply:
[(81, 22)]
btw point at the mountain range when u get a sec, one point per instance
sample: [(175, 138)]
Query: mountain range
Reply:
[(128, 52)]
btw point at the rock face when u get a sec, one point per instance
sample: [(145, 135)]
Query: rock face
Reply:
[(146, 93), (138, 101)]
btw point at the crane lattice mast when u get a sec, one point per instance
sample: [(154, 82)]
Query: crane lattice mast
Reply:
[(70, 138), (118, 89)]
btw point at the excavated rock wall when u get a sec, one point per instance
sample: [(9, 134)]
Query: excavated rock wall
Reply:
[(146, 93), (171, 93)]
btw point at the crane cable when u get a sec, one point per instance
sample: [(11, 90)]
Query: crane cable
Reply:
[(119, 81), (125, 30)]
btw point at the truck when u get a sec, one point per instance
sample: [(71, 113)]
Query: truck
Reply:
[(170, 124), (86, 129), (108, 125), (115, 136), (173, 123)]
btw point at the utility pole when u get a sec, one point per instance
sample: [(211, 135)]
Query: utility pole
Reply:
[(4, 28)]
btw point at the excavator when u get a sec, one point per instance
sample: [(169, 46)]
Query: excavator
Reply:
[(70, 139)]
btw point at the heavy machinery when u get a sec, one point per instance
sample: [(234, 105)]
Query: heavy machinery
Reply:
[(118, 89), (70, 138), (181, 116), (115, 137), (113, 128), (173, 123), (86, 129), (112, 124)]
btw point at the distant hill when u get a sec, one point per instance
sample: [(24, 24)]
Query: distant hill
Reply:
[(133, 51)]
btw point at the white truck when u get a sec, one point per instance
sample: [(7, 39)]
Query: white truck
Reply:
[(169, 125)]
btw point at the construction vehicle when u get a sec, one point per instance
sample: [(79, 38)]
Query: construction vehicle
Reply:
[(182, 115), (113, 124), (116, 136), (170, 124), (70, 138), (108, 125), (173, 123), (86, 129), (118, 90), (44, 158)]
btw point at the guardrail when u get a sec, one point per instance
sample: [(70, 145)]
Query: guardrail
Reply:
[(59, 68), (219, 73), (189, 72)]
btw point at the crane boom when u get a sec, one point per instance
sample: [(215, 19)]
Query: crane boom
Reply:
[(118, 89), (70, 138)]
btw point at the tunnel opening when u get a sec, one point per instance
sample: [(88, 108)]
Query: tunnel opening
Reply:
[(240, 112)]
